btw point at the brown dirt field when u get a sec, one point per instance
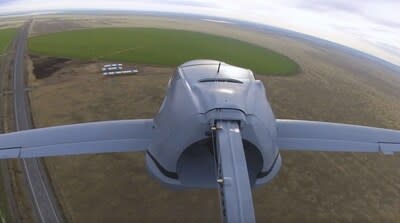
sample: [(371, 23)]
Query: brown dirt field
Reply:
[(44, 67), (40, 27), (311, 187), (11, 22)]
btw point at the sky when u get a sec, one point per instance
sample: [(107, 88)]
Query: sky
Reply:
[(372, 26)]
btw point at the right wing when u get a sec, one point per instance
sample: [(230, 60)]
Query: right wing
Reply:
[(302, 135), (85, 138)]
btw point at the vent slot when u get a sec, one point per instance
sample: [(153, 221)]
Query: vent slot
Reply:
[(221, 80)]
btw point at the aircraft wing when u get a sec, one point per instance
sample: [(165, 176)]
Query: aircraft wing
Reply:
[(333, 137), (94, 137)]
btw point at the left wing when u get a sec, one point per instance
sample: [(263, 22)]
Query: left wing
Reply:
[(335, 137), (94, 137)]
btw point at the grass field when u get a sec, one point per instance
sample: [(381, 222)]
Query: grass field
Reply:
[(160, 47), (6, 36)]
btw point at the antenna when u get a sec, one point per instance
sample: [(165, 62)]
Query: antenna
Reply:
[(219, 66)]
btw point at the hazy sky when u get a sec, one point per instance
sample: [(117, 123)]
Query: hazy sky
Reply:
[(371, 26)]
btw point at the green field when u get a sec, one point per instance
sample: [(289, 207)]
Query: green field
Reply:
[(6, 36), (160, 47)]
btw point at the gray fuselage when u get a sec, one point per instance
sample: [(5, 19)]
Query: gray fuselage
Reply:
[(199, 93)]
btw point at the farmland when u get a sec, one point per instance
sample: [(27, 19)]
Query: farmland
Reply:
[(6, 36), (160, 47), (311, 187)]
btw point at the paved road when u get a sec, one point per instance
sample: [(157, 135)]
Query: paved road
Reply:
[(43, 199)]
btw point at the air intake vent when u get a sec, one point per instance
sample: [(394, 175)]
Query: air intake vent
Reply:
[(221, 80)]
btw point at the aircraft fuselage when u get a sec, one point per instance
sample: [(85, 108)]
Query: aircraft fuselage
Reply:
[(199, 93)]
